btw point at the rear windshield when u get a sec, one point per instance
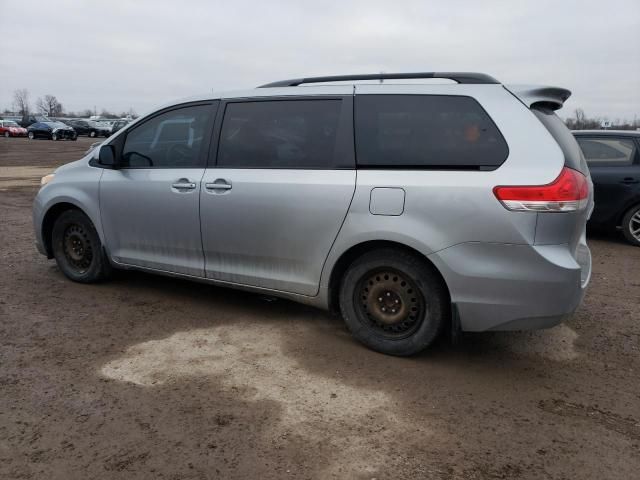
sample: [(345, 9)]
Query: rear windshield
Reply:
[(426, 131), (572, 154)]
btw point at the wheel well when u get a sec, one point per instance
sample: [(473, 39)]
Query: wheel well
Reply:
[(625, 211), (348, 257), (50, 219)]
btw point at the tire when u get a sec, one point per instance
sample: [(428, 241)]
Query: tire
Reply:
[(92, 134), (31, 136), (77, 248), (6, 135), (631, 226), (74, 138), (393, 302), (54, 137)]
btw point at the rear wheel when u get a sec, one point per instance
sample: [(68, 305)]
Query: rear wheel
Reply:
[(92, 134), (631, 226), (393, 302), (77, 248), (6, 134), (31, 136)]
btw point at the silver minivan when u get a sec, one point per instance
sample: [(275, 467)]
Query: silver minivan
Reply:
[(410, 208)]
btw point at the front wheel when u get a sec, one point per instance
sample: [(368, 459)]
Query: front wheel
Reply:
[(631, 226), (77, 248), (393, 302), (6, 134), (31, 136), (54, 136), (92, 134)]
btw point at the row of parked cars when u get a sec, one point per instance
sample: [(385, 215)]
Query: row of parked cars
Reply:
[(39, 126)]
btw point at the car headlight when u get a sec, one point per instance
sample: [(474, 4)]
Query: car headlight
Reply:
[(46, 179)]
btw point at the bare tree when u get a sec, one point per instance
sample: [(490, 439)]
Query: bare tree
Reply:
[(580, 121), (49, 105), (580, 118), (107, 114), (21, 101)]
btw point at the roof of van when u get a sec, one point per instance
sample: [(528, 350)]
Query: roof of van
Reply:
[(551, 97)]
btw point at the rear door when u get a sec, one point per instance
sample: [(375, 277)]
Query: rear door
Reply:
[(613, 162), (150, 207), (276, 199)]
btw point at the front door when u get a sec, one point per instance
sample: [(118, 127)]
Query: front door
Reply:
[(150, 206), (275, 202)]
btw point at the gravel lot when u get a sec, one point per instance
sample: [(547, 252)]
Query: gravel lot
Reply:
[(151, 377)]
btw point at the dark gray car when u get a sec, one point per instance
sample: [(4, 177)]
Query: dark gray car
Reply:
[(614, 162)]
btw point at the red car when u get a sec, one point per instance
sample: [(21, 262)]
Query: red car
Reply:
[(9, 128)]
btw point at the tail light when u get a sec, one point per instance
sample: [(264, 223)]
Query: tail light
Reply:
[(567, 193)]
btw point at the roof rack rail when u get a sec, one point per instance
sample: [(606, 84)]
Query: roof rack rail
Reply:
[(460, 77)]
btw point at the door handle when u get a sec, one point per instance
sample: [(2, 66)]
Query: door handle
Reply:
[(218, 184), (630, 180), (184, 184)]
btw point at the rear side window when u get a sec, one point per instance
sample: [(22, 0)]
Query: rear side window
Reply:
[(426, 131), (607, 151), (562, 135), (169, 140), (279, 134)]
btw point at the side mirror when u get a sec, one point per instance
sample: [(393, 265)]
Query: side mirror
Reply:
[(107, 156)]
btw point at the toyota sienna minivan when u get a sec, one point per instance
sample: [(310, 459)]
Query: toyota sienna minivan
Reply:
[(410, 208)]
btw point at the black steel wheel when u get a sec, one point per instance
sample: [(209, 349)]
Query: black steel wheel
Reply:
[(77, 248), (393, 301), (390, 301)]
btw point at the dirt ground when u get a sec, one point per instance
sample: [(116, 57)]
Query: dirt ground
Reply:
[(152, 377)]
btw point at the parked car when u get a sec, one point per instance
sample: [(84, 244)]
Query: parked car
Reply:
[(88, 127), (411, 209), (107, 124), (52, 131), (9, 128), (614, 163), (31, 119), (118, 124)]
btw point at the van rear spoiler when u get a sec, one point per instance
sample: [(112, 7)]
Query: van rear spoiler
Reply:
[(535, 95)]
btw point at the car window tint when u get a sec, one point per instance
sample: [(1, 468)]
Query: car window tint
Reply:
[(426, 131), (169, 140), (279, 134), (607, 151)]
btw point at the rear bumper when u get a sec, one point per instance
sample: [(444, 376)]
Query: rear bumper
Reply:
[(514, 287)]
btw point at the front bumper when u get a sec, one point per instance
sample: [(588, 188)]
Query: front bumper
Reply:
[(66, 134), (37, 218), (514, 287)]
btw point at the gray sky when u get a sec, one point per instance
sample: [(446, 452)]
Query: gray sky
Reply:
[(119, 54)]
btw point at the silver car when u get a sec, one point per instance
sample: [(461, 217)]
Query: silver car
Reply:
[(412, 209)]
